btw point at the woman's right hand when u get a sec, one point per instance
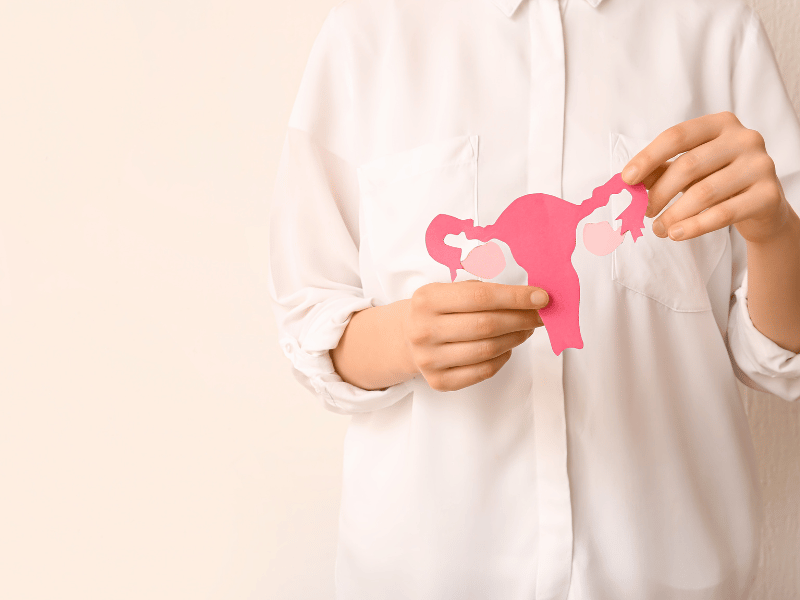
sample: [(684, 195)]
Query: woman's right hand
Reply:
[(458, 334)]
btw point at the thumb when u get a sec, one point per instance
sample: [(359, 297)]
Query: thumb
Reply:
[(539, 297)]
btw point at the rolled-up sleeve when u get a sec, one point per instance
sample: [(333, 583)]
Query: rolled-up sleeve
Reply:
[(773, 368), (314, 281), (761, 102)]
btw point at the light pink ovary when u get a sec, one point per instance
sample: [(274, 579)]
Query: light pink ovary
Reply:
[(486, 261), (600, 239)]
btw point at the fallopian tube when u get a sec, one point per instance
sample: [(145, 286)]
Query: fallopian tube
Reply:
[(540, 231)]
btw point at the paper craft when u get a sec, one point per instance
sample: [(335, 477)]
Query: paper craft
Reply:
[(540, 231), (599, 238), (485, 261)]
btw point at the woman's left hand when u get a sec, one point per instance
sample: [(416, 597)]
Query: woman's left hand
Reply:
[(725, 174)]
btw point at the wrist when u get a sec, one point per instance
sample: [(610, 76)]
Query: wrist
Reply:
[(786, 232), (407, 364)]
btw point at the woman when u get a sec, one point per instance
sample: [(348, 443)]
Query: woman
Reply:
[(623, 469)]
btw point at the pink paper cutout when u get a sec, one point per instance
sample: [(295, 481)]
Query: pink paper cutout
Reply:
[(485, 261), (600, 239), (540, 230)]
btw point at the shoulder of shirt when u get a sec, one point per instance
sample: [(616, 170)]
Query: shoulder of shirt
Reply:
[(375, 12), (378, 9), (367, 19), (735, 9), (735, 17), (365, 23), (366, 8)]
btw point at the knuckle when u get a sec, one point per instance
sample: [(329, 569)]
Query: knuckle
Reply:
[(772, 193), (705, 191), (422, 291), (754, 138), (421, 296), (486, 349), (690, 163), (766, 164), (483, 324), (675, 135), (486, 370), (728, 117), (522, 298), (481, 295), (775, 190), (690, 160), (725, 213), (425, 361), (420, 334)]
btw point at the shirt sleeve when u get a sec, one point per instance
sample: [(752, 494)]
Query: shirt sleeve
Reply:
[(761, 102), (314, 281)]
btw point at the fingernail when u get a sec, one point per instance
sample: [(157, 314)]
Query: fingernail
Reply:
[(629, 174), (539, 298), (676, 233), (659, 229)]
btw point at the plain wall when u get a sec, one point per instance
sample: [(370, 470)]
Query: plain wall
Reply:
[(153, 443)]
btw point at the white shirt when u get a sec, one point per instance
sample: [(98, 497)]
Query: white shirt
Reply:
[(622, 470)]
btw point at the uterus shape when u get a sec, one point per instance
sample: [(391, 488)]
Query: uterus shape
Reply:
[(540, 231)]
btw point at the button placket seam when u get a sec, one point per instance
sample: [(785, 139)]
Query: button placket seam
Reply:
[(556, 538)]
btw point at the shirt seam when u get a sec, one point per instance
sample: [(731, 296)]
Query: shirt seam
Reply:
[(750, 27), (346, 67)]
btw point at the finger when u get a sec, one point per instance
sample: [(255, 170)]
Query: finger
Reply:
[(456, 354), (742, 206), (675, 140), (651, 212), (715, 188), (651, 179), (472, 296), (464, 327), (457, 378), (695, 165), (654, 176)]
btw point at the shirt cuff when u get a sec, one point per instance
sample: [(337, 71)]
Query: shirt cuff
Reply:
[(775, 369), (313, 367)]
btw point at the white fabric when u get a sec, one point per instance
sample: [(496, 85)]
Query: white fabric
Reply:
[(623, 470)]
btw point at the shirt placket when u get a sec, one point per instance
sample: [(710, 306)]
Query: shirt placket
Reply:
[(545, 163)]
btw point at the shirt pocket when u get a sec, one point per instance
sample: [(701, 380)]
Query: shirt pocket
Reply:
[(400, 195), (673, 273)]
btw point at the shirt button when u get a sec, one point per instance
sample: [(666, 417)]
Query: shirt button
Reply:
[(288, 347)]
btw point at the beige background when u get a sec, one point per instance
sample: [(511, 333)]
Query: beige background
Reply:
[(153, 443)]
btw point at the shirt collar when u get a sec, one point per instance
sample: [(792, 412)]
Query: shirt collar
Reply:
[(507, 7)]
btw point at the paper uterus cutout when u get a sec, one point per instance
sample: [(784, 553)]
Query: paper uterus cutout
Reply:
[(599, 238), (485, 261), (540, 231)]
